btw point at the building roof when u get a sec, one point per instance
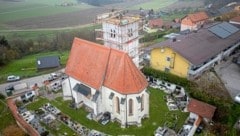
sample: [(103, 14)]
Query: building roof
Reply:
[(236, 19), (158, 22), (122, 20), (200, 108), (195, 17), (198, 47), (96, 65), (48, 62)]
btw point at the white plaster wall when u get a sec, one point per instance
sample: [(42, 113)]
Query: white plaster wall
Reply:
[(67, 95), (81, 98), (191, 28), (193, 115), (110, 105)]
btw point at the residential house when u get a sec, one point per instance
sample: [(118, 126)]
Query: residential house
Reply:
[(194, 21), (48, 62), (199, 111), (191, 54), (106, 80), (155, 23), (235, 20)]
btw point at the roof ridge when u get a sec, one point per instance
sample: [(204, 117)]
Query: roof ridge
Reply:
[(106, 68)]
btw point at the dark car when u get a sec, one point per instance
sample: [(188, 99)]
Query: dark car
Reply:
[(105, 118)]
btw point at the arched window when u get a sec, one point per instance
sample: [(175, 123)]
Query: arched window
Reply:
[(142, 102), (117, 104), (130, 106)]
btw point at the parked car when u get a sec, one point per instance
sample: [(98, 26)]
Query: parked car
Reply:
[(27, 96), (105, 118), (237, 98), (12, 78)]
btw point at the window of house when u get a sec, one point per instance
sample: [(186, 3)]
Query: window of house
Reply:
[(168, 59), (113, 33), (142, 102), (117, 105), (166, 69), (130, 106), (130, 32)]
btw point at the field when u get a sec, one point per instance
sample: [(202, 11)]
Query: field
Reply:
[(154, 4), (13, 11)]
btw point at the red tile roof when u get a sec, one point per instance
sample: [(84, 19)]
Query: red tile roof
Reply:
[(155, 23), (200, 108), (236, 19), (96, 65), (191, 19)]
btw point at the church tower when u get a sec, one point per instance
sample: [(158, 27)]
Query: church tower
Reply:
[(121, 33)]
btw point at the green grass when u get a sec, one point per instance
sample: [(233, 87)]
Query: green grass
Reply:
[(26, 67), (50, 33), (5, 117), (154, 4), (11, 11), (159, 114)]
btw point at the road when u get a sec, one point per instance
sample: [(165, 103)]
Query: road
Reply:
[(30, 81)]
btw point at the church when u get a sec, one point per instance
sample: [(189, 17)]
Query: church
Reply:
[(105, 79)]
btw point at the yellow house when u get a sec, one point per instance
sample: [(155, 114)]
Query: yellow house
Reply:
[(166, 59), (192, 54)]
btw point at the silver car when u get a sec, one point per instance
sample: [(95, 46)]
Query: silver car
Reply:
[(12, 78)]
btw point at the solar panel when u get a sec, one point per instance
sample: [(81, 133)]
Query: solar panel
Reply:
[(223, 30), (228, 27)]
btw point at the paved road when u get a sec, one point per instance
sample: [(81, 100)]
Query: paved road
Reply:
[(30, 81), (230, 76)]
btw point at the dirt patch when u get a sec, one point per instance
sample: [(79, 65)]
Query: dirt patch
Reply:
[(210, 83)]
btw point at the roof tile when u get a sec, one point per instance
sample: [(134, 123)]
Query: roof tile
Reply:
[(97, 65), (200, 108)]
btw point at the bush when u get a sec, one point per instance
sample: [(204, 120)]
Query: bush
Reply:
[(2, 97)]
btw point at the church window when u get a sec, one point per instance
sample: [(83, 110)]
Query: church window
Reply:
[(117, 105), (142, 102), (130, 32), (130, 106), (113, 33)]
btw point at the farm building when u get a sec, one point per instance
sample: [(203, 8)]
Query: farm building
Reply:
[(48, 62), (121, 33), (193, 21), (192, 54), (106, 81)]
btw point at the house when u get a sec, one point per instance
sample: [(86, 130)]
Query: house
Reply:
[(191, 54), (199, 111), (155, 23), (193, 21), (235, 20), (48, 62), (106, 80)]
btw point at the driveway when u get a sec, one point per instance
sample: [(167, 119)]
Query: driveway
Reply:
[(230, 75)]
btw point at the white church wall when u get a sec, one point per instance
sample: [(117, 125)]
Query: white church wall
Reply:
[(67, 95)]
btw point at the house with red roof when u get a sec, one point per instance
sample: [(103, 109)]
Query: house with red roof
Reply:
[(235, 20), (199, 111), (194, 21), (106, 80), (155, 23)]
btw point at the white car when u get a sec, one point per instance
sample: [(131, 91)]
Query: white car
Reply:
[(237, 98), (12, 78)]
